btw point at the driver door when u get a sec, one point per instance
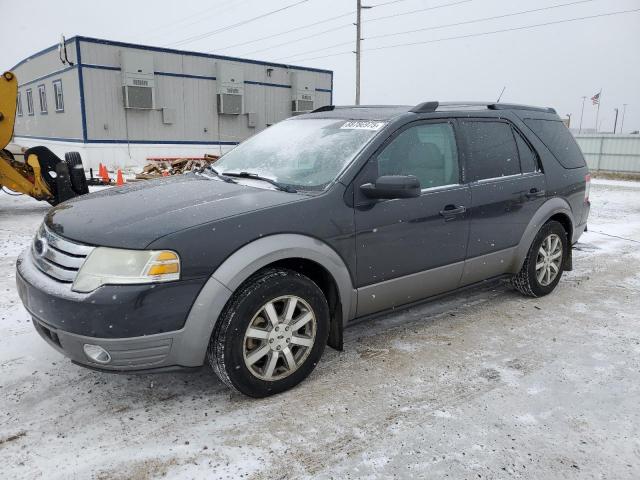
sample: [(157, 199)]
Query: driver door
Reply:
[(408, 249)]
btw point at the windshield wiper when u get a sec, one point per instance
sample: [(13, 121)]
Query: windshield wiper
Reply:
[(254, 176), (220, 176)]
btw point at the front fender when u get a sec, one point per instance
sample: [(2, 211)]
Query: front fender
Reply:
[(239, 267)]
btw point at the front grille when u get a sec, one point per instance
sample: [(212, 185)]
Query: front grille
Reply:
[(57, 257)]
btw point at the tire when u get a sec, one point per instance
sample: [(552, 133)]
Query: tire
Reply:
[(244, 361), (527, 281), (76, 173)]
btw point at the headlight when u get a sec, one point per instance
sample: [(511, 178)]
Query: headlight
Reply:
[(114, 266)]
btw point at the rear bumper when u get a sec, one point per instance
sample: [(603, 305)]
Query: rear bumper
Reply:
[(578, 231)]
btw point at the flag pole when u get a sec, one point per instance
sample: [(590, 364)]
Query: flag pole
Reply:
[(598, 111)]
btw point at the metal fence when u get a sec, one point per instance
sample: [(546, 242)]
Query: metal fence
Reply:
[(611, 153)]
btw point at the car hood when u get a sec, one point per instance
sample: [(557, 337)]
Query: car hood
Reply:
[(136, 214)]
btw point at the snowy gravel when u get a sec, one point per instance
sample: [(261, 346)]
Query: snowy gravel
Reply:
[(484, 384)]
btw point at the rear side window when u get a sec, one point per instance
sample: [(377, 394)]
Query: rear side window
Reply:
[(528, 158), (492, 150), (559, 140)]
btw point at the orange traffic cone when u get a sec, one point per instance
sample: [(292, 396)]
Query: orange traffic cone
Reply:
[(119, 179), (105, 175)]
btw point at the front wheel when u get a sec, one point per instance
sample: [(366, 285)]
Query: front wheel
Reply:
[(271, 334), (545, 261)]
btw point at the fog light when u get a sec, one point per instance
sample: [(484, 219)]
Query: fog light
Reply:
[(96, 353)]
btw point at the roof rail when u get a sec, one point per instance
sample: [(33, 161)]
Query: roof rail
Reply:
[(425, 107), (515, 106), (325, 108)]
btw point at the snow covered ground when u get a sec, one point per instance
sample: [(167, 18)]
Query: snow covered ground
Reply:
[(484, 384)]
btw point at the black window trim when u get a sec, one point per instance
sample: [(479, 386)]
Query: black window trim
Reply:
[(518, 131), (424, 121), (30, 109), (58, 82), (46, 104), (19, 111)]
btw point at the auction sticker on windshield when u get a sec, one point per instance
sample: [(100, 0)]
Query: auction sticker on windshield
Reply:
[(362, 125)]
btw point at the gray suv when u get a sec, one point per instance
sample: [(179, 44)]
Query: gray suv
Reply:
[(254, 265)]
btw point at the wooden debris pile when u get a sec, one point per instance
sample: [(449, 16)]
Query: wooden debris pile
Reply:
[(166, 166)]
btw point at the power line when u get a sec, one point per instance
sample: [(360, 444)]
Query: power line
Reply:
[(436, 27), (199, 14), (526, 27), (238, 24), (279, 34), (410, 12), (288, 31), (349, 25)]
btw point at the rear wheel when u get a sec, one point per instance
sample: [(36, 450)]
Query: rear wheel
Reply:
[(272, 333), (545, 261), (76, 173)]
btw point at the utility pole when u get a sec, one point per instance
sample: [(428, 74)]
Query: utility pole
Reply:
[(358, 42), (581, 115), (615, 122), (624, 109)]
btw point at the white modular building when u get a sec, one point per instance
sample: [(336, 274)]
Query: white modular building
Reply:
[(120, 103)]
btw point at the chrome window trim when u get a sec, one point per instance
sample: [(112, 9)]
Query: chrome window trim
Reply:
[(441, 187), (493, 179)]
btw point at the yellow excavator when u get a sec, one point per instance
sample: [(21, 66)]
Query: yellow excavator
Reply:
[(42, 175)]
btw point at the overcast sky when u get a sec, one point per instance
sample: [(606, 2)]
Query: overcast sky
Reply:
[(552, 65)]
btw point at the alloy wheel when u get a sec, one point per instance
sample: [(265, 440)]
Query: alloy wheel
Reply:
[(549, 260), (279, 338)]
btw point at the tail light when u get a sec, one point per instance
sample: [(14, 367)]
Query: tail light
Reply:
[(587, 187)]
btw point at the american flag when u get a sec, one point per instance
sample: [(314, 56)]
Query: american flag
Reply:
[(596, 98)]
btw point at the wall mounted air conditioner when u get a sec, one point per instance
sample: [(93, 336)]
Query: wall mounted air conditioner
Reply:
[(230, 88), (138, 80), (303, 92)]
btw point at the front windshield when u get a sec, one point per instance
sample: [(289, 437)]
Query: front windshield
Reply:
[(305, 154)]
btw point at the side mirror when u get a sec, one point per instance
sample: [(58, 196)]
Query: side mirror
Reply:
[(392, 186)]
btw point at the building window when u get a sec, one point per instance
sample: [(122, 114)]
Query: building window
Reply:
[(42, 95), (58, 97), (29, 102), (19, 104)]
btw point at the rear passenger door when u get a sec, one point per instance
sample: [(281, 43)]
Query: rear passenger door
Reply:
[(507, 187)]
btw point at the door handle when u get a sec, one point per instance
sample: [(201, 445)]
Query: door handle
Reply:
[(451, 211), (535, 193)]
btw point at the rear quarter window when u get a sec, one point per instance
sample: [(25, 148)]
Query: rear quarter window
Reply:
[(558, 139)]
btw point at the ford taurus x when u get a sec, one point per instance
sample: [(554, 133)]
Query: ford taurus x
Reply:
[(252, 266)]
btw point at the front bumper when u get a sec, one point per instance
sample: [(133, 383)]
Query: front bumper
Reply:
[(143, 327), (127, 354)]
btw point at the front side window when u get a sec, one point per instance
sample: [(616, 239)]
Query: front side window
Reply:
[(19, 104), (42, 94), (29, 102), (492, 150), (58, 97), (306, 154), (427, 151)]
